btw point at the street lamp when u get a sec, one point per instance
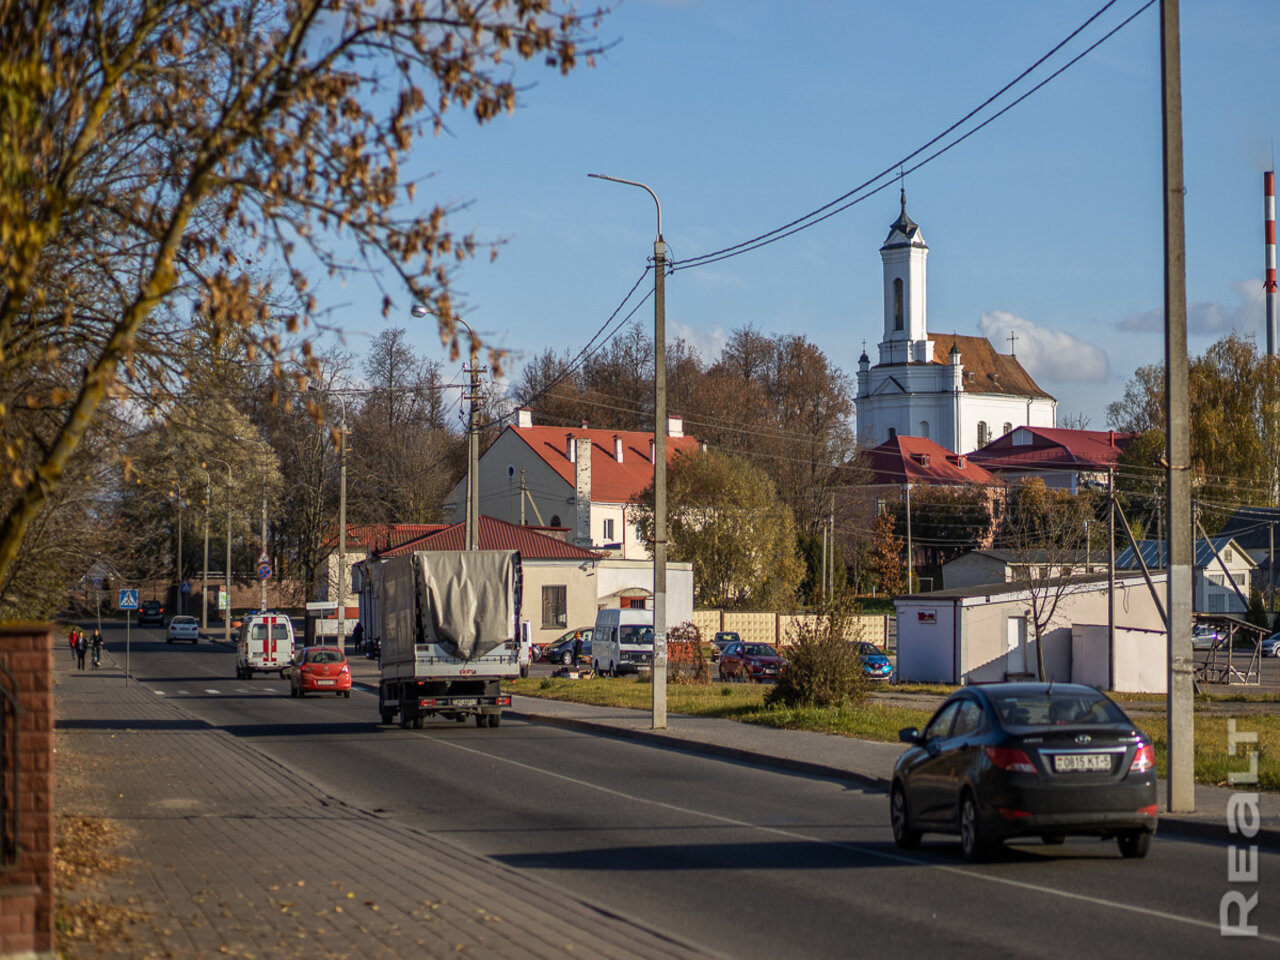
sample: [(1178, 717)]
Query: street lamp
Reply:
[(472, 527), (342, 522), (263, 559), (659, 463), (226, 616), (181, 503)]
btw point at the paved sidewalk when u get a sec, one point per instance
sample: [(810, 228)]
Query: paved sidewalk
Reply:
[(861, 761), (236, 855)]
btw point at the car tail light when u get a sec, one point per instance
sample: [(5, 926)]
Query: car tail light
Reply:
[(1011, 759), (1009, 814), (1150, 811), (1144, 759)]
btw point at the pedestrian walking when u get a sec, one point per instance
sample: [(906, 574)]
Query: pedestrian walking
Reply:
[(577, 649), (82, 647), (71, 640), (95, 643)]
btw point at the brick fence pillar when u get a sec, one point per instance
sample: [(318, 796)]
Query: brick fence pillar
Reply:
[(26, 840)]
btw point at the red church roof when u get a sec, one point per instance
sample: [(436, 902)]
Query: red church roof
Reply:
[(495, 534), (611, 481), (919, 460)]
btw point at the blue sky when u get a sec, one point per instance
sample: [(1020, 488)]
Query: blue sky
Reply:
[(744, 114)]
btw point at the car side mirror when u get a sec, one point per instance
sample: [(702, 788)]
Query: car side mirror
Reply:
[(910, 735)]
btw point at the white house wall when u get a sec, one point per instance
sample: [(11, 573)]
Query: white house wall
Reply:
[(613, 577)]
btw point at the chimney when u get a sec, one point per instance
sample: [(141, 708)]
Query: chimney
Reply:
[(1111, 438), (617, 448), (583, 424), (675, 427), (524, 418), (568, 447), (582, 493)]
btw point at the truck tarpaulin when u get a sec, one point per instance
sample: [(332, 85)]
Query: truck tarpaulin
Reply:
[(468, 600)]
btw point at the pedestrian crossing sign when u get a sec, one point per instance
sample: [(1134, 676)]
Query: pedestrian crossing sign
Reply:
[(128, 600)]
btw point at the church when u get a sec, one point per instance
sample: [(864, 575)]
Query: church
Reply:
[(955, 390)]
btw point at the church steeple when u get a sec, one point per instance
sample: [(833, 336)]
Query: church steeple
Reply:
[(903, 255)]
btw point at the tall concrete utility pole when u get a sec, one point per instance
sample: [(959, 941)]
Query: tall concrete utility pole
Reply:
[(1181, 723), (226, 588), (659, 463)]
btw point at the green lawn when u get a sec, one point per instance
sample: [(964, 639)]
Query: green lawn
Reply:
[(877, 720)]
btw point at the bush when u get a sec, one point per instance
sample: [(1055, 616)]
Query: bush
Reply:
[(686, 661), (823, 665)]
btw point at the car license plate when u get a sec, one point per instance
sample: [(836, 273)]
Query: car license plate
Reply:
[(465, 702), (1078, 762), (324, 683)]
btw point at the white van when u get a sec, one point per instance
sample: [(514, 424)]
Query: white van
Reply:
[(622, 641), (265, 646)]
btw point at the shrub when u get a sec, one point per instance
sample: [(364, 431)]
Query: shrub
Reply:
[(823, 666), (686, 661)]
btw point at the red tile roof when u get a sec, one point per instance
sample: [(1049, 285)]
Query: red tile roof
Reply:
[(985, 370), (375, 537), (919, 460), (497, 534), (1053, 448), (611, 481)]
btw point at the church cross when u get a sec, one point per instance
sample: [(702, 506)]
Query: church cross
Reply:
[(1013, 342)]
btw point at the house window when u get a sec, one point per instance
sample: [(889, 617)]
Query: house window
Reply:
[(984, 433), (897, 303), (608, 530), (555, 612), (1008, 428), (633, 603)]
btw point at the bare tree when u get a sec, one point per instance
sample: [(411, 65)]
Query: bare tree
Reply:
[(155, 150)]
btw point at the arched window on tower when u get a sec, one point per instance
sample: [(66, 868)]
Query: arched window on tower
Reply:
[(924, 429), (984, 433), (897, 303), (1008, 429), (892, 433)]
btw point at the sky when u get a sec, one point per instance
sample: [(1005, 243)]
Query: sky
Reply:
[(743, 115)]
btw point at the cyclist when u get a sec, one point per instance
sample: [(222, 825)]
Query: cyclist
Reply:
[(96, 645)]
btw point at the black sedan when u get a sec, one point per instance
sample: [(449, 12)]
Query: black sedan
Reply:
[(561, 651), (1026, 759)]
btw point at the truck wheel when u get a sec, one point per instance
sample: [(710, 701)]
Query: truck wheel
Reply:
[(461, 718), (405, 722), (524, 671), (419, 722), (481, 721), (496, 718), (387, 716)]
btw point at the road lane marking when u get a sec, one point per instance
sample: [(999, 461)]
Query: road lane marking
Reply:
[(853, 847), (211, 691)]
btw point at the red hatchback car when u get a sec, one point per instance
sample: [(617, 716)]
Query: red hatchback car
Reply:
[(320, 670)]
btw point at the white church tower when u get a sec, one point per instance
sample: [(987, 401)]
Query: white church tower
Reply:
[(955, 390)]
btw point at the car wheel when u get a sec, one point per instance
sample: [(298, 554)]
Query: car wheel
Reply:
[(301, 692), (903, 835), (1134, 844), (346, 694), (566, 658), (1052, 839), (721, 675), (168, 639), (292, 691), (975, 847)]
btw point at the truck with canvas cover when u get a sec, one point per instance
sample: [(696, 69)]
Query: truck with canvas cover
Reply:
[(450, 634)]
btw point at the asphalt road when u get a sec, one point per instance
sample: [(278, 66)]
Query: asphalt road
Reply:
[(744, 860)]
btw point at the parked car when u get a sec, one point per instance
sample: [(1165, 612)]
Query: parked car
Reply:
[(722, 640), (1271, 646), (1005, 760), (151, 611), (1205, 637), (561, 650), (320, 670), (183, 628), (750, 661), (875, 664)]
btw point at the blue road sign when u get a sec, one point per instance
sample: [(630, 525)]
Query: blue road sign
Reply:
[(128, 600), (186, 586), (264, 571)]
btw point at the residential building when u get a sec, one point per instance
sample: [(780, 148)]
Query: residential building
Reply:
[(1257, 531), (979, 567), (1220, 578), (580, 479), (956, 390), (1065, 459)]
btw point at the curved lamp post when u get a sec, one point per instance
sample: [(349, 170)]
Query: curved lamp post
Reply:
[(659, 463)]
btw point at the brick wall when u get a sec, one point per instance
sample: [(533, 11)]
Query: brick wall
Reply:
[(26, 889)]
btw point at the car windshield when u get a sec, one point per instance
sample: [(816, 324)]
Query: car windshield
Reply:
[(868, 649), (635, 634), (758, 650), (325, 656), (1045, 708)]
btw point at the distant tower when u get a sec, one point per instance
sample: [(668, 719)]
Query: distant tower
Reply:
[(903, 257), (1269, 234)]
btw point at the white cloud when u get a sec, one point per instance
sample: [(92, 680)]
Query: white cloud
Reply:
[(1208, 317), (709, 344), (1046, 354)]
